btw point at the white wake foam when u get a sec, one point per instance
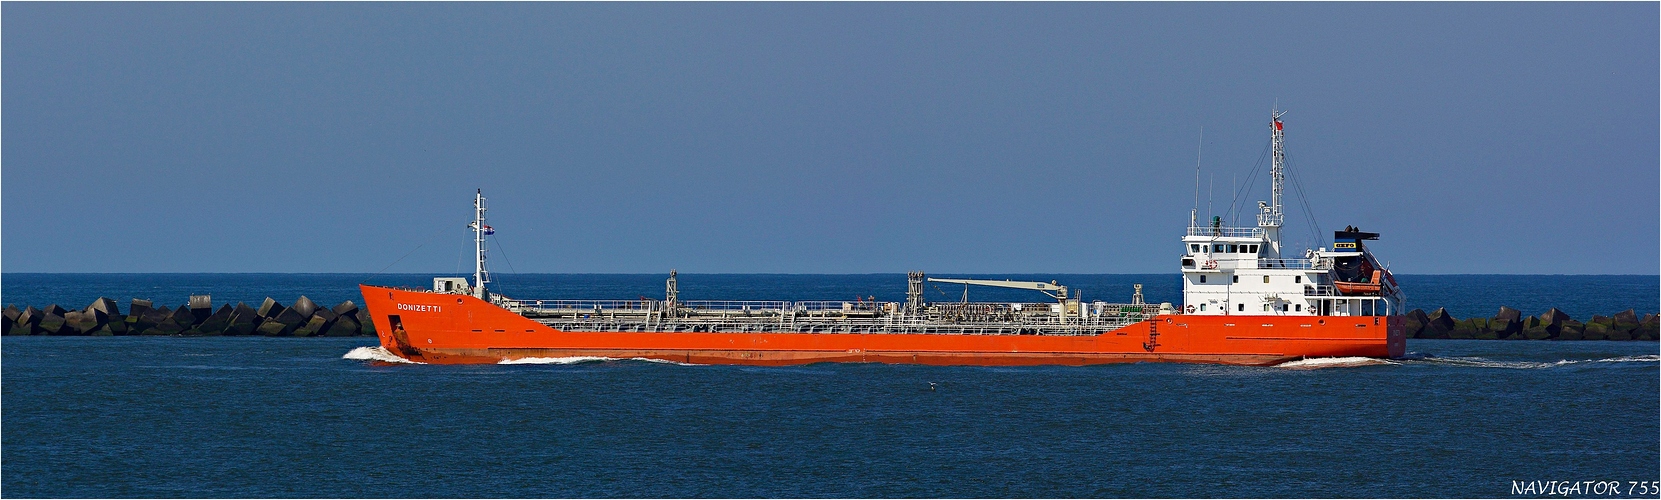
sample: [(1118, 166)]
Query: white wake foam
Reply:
[(664, 361), (1343, 362), (1647, 358), (376, 353), (1480, 362)]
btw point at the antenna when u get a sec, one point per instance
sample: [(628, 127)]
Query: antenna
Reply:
[(1277, 172), (1197, 157), (480, 230), (1270, 216)]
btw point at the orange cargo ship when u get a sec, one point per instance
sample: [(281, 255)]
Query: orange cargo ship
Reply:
[(1243, 303)]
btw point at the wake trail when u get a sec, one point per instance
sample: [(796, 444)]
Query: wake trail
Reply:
[(376, 353)]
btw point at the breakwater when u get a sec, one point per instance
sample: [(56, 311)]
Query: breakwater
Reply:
[(104, 317), (305, 319), (1510, 324)]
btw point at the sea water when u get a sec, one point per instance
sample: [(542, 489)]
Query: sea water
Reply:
[(330, 417)]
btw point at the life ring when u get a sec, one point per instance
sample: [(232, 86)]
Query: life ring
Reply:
[(1190, 308)]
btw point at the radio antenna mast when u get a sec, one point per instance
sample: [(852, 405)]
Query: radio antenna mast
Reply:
[(480, 230), (1197, 157), (1271, 217)]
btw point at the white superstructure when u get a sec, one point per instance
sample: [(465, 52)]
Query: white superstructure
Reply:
[(1243, 271)]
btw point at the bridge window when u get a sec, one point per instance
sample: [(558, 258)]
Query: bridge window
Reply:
[(1194, 248), (1217, 248), (1234, 249), (1254, 249)]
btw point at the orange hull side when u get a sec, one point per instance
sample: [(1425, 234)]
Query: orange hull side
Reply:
[(445, 328)]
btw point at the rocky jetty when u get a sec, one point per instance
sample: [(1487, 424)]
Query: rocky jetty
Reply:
[(304, 318), (1510, 324), (103, 317)]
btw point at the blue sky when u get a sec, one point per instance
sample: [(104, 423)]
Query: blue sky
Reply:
[(817, 138)]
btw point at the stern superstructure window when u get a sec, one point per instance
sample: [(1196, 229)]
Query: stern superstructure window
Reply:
[(1236, 278), (1242, 308), (1202, 278), (1297, 279), (1265, 278)]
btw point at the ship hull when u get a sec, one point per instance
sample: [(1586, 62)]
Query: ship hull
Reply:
[(443, 328)]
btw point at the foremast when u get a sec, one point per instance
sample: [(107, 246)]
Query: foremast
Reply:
[(481, 275), (1270, 216)]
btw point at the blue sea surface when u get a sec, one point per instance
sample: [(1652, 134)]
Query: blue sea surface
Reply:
[(292, 417), (320, 417)]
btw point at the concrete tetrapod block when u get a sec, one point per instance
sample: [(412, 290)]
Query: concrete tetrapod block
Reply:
[(368, 327), (1506, 323), (116, 326), (343, 326), (105, 305), (163, 326), (347, 308), (183, 317), (316, 326), (215, 323), (137, 309), (1647, 328), (1553, 317), (29, 321), (304, 306), (52, 321), (1440, 324), (10, 314), (1626, 321), (321, 320), (80, 322), (274, 328), (292, 318), (1596, 331), (1414, 323), (1571, 330), (270, 308), (1467, 328), (244, 320)]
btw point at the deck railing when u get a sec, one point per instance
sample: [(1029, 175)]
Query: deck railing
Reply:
[(1290, 264), (1226, 231)]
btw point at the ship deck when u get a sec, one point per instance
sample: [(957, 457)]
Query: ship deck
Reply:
[(865, 317)]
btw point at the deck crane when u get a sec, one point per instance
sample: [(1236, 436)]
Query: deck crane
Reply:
[(1055, 291), (1069, 305)]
